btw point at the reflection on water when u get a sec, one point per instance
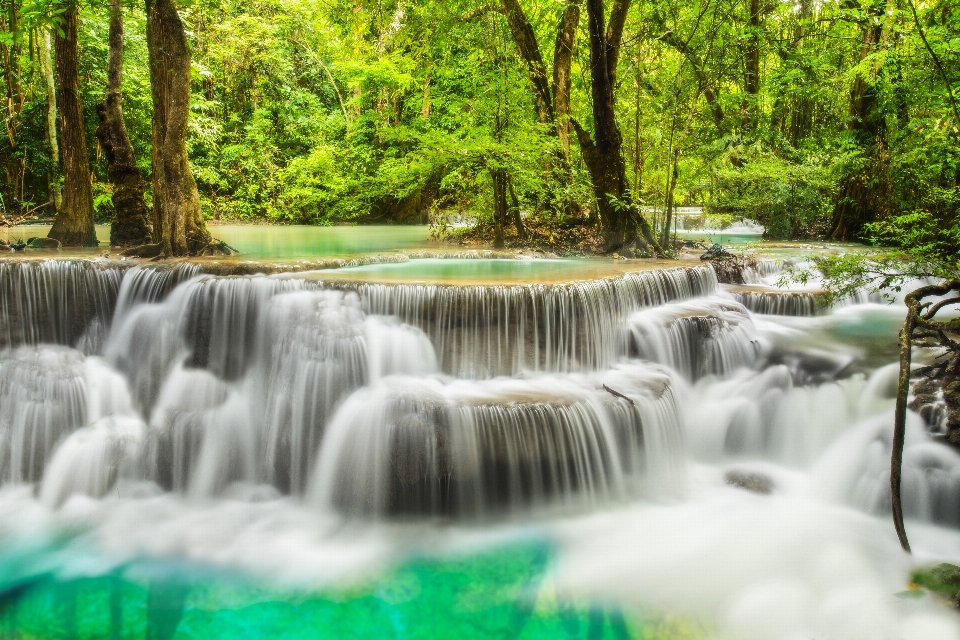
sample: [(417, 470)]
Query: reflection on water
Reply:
[(280, 242), (258, 241)]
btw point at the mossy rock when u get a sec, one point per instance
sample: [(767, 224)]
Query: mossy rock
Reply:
[(943, 579)]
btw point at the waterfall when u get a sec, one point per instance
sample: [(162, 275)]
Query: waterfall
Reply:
[(482, 331), (425, 446), (57, 301), (697, 338), (781, 303), (408, 399)]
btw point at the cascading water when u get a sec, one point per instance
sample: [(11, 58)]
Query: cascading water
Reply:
[(168, 406)]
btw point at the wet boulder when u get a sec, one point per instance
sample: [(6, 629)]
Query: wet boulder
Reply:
[(749, 481), (43, 243)]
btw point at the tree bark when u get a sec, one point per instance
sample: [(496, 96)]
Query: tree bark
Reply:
[(622, 225), (131, 218), (515, 207), (179, 228), (562, 61), (74, 223), (54, 182), (900, 425)]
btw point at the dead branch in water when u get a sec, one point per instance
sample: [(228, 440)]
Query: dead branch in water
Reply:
[(618, 394)]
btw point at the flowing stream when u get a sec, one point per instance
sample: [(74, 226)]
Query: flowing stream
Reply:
[(719, 453)]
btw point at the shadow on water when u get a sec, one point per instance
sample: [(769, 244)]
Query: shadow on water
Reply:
[(503, 594)]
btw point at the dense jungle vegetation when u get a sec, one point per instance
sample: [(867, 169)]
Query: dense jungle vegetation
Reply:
[(830, 119)]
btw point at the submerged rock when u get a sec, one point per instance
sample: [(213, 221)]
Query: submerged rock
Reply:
[(43, 243), (749, 481)]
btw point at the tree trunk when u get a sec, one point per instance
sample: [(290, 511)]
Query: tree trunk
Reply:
[(621, 224), (751, 69), (74, 223), (671, 185), (131, 218), (855, 205), (526, 42), (515, 207), (919, 327), (54, 182), (499, 178), (551, 102), (562, 60), (179, 228)]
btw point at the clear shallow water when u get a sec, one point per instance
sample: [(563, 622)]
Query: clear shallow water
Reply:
[(472, 270), (276, 242), (309, 241), (401, 460)]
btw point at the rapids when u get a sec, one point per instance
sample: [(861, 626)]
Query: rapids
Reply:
[(311, 426)]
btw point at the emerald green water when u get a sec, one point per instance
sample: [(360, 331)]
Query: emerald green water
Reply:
[(505, 593)]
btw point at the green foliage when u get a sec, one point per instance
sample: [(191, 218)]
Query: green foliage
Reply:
[(790, 199), (345, 112)]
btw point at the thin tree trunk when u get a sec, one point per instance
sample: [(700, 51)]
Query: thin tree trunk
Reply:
[(499, 178), (131, 218), (672, 185), (921, 324), (899, 426), (74, 223), (54, 183), (515, 206), (182, 230)]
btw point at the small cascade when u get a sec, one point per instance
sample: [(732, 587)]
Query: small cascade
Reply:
[(422, 446), (65, 302), (42, 400), (92, 459), (697, 338), (484, 331), (765, 415), (780, 303), (762, 270), (143, 285), (201, 437), (314, 353), (856, 470)]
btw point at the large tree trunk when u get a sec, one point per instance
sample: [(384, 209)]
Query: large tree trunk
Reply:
[(526, 42), (179, 228), (54, 178), (855, 205), (622, 225), (562, 60), (131, 218), (74, 223)]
